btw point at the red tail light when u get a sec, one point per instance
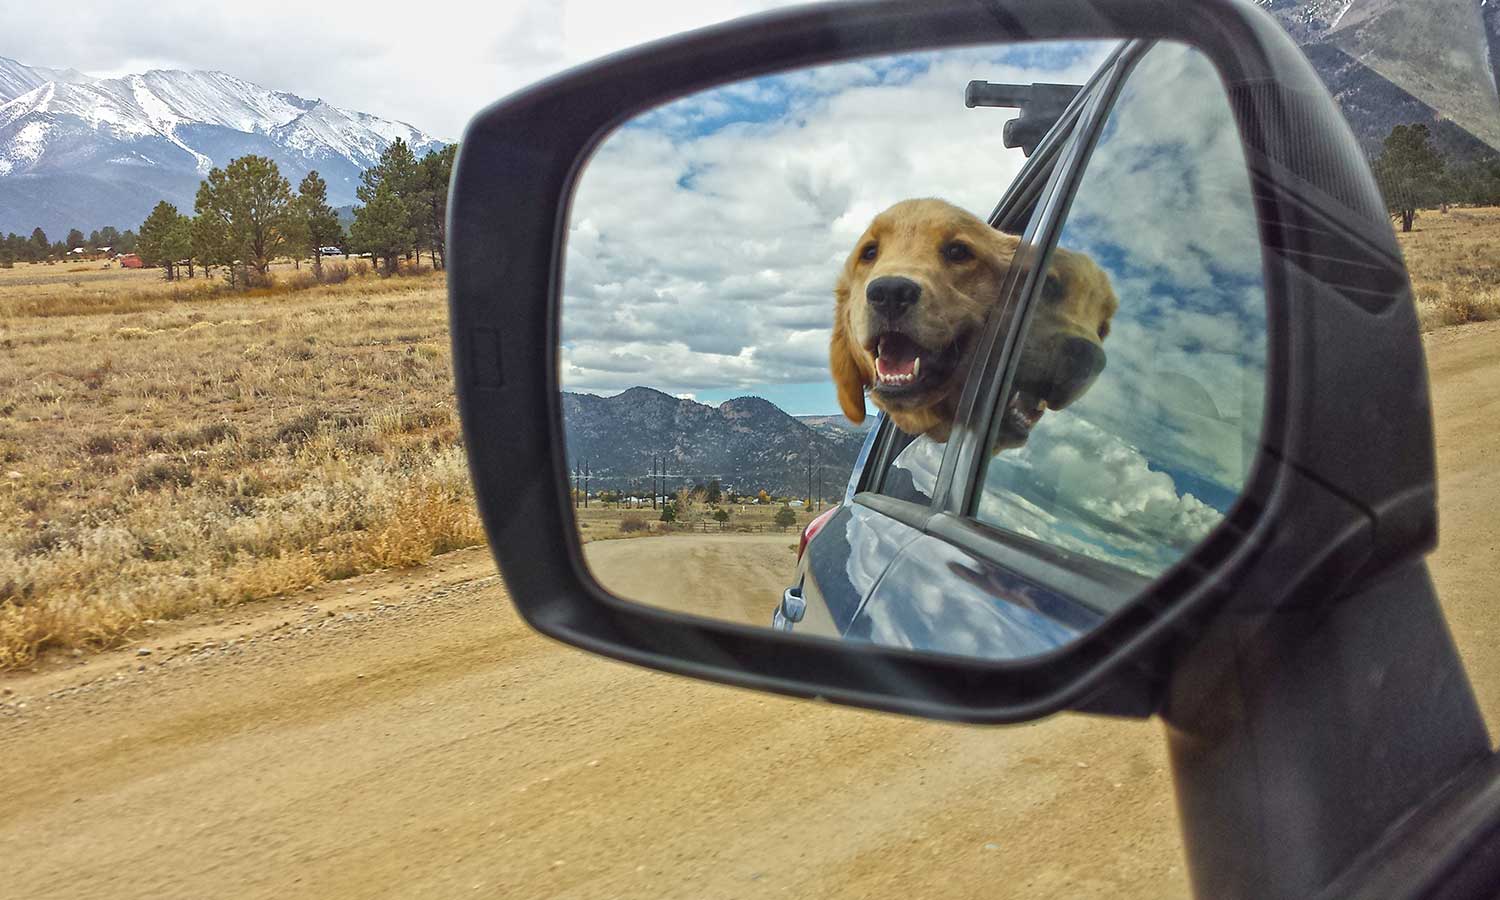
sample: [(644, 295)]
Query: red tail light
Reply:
[(813, 527)]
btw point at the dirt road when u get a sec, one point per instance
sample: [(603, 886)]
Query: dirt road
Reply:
[(732, 577), (406, 735)]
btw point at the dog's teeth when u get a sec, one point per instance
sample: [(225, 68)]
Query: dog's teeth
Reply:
[(916, 367)]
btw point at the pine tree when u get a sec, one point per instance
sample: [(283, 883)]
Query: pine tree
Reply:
[(397, 170), (399, 174), (161, 241), (317, 222), (436, 172), (1409, 171), (381, 227), (75, 239), (180, 242), (253, 202), (214, 246)]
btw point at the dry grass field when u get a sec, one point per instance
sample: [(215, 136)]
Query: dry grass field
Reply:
[(1454, 260), (171, 448), (171, 454)]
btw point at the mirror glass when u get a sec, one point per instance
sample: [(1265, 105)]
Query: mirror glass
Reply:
[(760, 276)]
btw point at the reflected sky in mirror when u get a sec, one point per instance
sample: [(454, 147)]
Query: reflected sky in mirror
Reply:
[(1143, 466), (706, 235)]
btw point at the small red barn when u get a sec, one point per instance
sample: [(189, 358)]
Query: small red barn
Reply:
[(131, 261)]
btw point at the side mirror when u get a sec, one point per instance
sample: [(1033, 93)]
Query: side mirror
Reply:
[(1340, 367)]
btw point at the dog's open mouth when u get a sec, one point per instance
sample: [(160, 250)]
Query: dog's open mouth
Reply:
[(902, 366), (1022, 412)]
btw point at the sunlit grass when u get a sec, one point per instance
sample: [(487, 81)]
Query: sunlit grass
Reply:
[(206, 451), (1454, 260)]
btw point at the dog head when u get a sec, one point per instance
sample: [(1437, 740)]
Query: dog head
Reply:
[(910, 303), (1064, 348)]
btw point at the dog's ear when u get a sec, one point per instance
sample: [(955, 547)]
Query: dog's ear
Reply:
[(847, 376)]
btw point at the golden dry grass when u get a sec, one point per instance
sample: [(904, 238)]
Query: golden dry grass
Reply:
[(170, 447), (1454, 260), (203, 452)]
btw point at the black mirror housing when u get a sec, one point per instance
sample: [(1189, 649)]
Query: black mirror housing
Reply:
[(1345, 361)]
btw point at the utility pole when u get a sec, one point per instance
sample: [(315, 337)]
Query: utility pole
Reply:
[(809, 476), (653, 481), (586, 474), (576, 482), (820, 479)]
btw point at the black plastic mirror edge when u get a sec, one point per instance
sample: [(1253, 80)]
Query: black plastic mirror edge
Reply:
[(1310, 517)]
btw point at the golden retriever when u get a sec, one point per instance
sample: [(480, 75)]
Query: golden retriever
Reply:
[(912, 299)]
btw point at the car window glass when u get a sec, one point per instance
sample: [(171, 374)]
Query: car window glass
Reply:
[(911, 470), (910, 464), (1137, 387)]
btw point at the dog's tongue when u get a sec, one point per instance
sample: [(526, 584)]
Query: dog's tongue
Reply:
[(895, 355)]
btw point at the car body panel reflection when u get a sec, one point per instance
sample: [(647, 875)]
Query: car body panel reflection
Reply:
[(846, 560), (938, 598)]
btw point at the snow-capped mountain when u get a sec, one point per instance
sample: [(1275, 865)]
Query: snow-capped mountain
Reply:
[(84, 152), (1392, 62)]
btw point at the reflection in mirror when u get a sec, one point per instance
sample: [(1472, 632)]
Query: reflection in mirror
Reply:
[(1135, 408), (748, 275)]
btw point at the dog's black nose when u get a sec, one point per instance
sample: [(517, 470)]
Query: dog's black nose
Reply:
[(892, 295), (1075, 364)]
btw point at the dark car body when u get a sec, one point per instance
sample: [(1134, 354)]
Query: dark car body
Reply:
[(868, 576)]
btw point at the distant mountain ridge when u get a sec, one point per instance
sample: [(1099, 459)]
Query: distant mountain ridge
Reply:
[(84, 152), (1394, 62), (748, 443)]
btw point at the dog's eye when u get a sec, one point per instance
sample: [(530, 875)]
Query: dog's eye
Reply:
[(1052, 289), (957, 252), (869, 251)]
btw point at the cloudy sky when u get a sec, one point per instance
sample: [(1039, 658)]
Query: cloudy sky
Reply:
[(432, 64), (706, 236), (1140, 469)]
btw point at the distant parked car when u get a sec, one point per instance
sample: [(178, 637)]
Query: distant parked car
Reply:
[(330, 251)]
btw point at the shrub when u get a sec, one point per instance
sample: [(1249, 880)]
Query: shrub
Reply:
[(336, 273), (632, 523), (361, 268), (163, 474), (203, 436), (102, 444), (785, 517), (300, 281)]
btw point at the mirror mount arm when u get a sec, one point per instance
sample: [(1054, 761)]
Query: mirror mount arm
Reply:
[(1041, 106), (1336, 720)]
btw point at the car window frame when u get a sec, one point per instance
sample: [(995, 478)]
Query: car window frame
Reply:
[(994, 373), (1092, 581), (1019, 210), (1044, 197)]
